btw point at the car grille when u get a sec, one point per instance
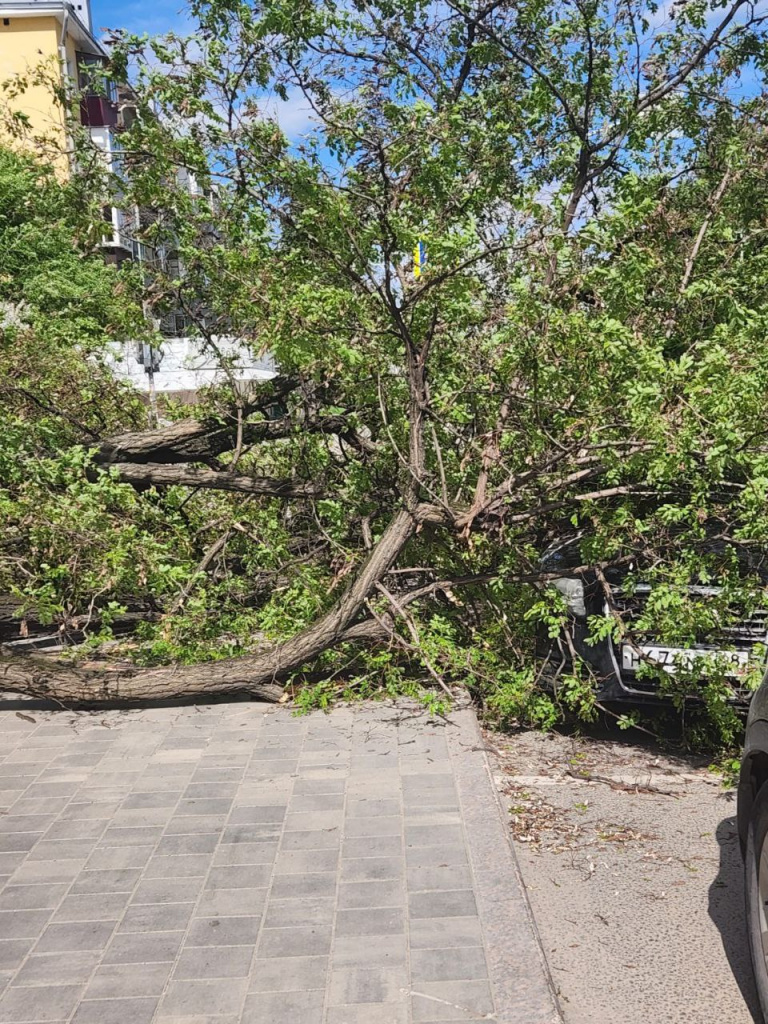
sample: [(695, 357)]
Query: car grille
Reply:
[(750, 630)]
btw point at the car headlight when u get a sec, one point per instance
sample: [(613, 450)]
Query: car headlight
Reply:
[(573, 592)]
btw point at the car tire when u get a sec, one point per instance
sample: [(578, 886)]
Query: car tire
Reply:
[(757, 910)]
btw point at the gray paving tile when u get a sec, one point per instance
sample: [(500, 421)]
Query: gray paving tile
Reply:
[(115, 1011), (354, 895), (438, 933), (368, 1013), (300, 941), (239, 876), (292, 887), (43, 1003), (122, 981), (202, 996), (115, 858), (171, 845), (367, 985), (313, 839), (383, 825), (451, 1000), (32, 897), (214, 962), (290, 974), (385, 951), (372, 869), (462, 964), (295, 913), (189, 866), (167, 890), (299, 862), (456, 903), (232, 902), (223, 931), (32, 872), (143, 948), (258, 814), (245, 853), (372, 808), (12, 952), (377, 921), (118, 880), (75, 936), (283, 1008), (58, 968), (156, 917), (107, 906), (434, 835), (23, 924)]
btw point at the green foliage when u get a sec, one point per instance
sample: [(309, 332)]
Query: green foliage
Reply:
[(583, 357)]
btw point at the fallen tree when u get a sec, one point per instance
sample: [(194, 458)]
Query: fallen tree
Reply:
[(575, 355)]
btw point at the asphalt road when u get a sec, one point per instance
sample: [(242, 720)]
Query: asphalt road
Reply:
[(632, 866)]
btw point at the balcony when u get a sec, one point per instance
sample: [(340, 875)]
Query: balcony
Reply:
[(98, 112)]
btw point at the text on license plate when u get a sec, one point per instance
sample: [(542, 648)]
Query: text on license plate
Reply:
[(669, 657)]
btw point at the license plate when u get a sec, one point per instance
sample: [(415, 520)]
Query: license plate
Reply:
[(669, 658)]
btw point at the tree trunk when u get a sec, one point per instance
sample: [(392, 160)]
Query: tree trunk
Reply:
[(157, 474), (259, 674)]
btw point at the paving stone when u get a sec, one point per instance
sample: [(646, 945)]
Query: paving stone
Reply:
[(294, 887), (372, 869), (118, 880), (232, 902), (23, 924), (312, 839), (283, 1008), (385, 951), (464, 963), (299, 941), (383, 825), (205, 996), (75, 936), (12, 952), (366, 1013), (367, 985), (121, 981), (115, 1011), (58, 968), (299, 862), (167, 890), (354, 895), (378, 921), (113, 858), (223, 931), (32, 897), (214, 962), (171, 845), (258, 814), (239, 876), (157, 917), (289, 974), (456, 903), (451, 1000), (143, 948), (372, 808), (108, 906), (294, 913), (436, 933), (43, 1003), (372, 846), (245, 853)]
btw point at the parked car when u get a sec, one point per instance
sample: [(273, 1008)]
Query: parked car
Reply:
[(753, 834), (737, 647)]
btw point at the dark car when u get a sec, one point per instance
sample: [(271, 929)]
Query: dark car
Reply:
[(753, 833), (621, 669)]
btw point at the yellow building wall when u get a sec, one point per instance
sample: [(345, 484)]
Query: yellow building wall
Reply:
[(30, 46)]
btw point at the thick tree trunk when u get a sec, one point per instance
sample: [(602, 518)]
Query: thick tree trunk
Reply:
[(259, 674)]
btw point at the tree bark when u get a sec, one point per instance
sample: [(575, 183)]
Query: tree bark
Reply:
[(160, 475)]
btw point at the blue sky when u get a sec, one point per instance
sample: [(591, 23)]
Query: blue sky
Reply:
[(152, 16)]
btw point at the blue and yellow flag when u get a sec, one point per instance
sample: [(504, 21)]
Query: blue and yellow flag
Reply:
[(419, 259)]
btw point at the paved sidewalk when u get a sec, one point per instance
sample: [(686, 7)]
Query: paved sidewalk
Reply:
[(234, 863)]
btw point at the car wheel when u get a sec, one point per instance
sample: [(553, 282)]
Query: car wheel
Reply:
[(756, 887)]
